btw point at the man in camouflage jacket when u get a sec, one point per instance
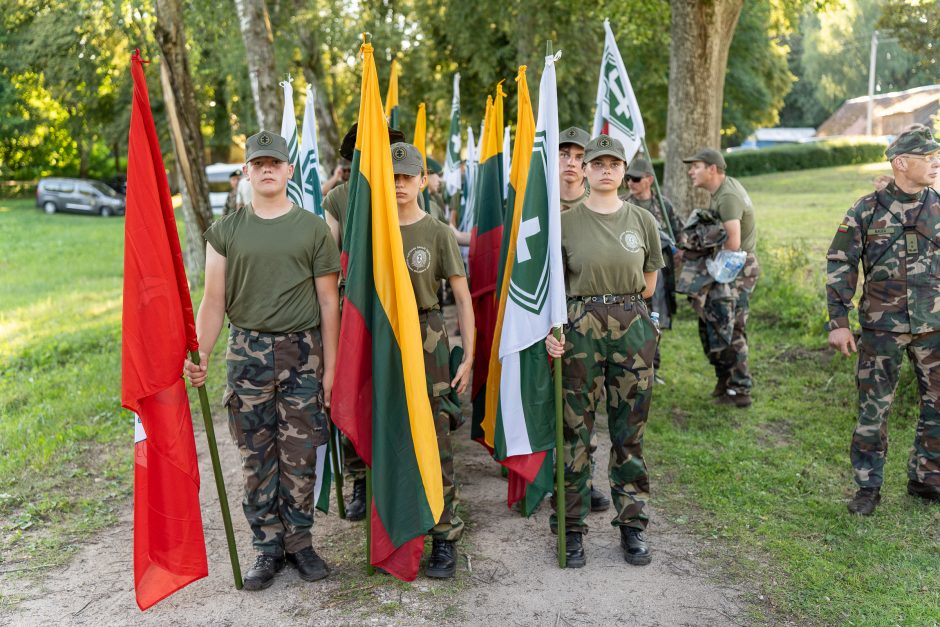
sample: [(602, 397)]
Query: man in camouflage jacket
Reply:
[(895, 234)]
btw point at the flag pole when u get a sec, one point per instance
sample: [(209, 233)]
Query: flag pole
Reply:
[(219, 480), (370, 569), (561, 498), (659, 194), (337, 477)]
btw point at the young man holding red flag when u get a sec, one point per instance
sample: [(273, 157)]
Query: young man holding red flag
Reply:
[(432, 255), (272, 267)]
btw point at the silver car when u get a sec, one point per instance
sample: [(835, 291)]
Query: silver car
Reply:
[(78, 195)]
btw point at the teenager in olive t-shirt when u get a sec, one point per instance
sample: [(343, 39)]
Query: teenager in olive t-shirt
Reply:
[(431, 255), (611, 256), (272, 267)]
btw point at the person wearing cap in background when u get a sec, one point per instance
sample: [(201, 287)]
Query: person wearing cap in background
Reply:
[(434, 190), (340, 175), (334, 211), (431, 254), (571, 145), (894, 234), (231, 201), (273, 269), (732, 206), (640, 183), (611, 255)]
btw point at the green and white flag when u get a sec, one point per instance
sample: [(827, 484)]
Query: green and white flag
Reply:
[(310, 157), (324, 481), (452, 159), (289, 133), (617, 113)]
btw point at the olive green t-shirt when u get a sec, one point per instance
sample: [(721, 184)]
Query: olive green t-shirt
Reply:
[(568, 204), (270, 267), (335, 203), (431, 254), (731, 202), (608, 253)]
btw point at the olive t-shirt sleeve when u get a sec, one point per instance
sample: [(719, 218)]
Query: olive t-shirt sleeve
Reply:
[(329, 204), (326, 255), (731, 207), (654, 254), (449, 254), (218, 236)]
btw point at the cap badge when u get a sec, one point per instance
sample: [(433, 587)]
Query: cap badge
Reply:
[(265, 139), (571, 132), (399, 153), (604, 142)]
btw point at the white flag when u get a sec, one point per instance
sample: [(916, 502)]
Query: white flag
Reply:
[(617, 113), (452, 159), (473, 164), (289, 133), (310, 157), (507, 162)]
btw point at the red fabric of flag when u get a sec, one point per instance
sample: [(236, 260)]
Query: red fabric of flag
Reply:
[(157, 330)]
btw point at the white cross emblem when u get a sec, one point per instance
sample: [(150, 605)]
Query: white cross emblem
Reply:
[(528, 228)]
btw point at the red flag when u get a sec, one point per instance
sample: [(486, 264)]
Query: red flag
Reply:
[(157, 330)]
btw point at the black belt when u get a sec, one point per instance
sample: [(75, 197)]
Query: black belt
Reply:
[(611, 299), (254, 333)]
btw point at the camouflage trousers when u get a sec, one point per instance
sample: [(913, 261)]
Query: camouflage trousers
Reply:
[(722, 326), (274, 400), (607, 347), (879, 362), (353, 466), (437, 371)]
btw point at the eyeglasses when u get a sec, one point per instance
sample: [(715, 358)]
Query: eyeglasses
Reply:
[(635, 179), (927, 158), (600, 166)]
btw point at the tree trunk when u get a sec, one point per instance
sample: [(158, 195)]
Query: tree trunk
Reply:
[(327, 131), (701, 32), (259, 42), (183, 114), (220, 146)]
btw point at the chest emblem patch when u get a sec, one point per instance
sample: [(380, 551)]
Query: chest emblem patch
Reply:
[(418, 259), (630, 240)]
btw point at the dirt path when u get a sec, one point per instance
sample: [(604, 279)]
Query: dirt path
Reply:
[(511, 576)]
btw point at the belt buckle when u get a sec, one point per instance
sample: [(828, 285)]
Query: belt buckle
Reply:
[(609, 299)]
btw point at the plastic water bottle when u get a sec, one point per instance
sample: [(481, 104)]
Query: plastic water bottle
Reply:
[(726, 265), (654, 317)]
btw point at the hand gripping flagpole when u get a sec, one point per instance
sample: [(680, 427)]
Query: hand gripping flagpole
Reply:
[(219, 480), (561, 500)]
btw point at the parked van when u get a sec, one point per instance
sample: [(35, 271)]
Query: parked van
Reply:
[(79, 196)]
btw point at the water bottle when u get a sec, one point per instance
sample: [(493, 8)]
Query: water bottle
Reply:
[(654, 318), (726, 265)]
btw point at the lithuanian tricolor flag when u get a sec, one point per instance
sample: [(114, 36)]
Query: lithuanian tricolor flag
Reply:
[(380, 402), (420, 142), (391, 97), (484, 251)]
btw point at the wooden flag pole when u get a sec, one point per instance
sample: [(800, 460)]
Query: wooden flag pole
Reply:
[(219, 480), (337, 471), (561, 500), (659, 194)]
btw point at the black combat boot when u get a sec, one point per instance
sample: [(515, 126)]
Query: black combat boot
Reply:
[(923, 490), (865, 501), (599, 501), (734, 398), (720, 387), (634, 546), (356, 508), (574, 550), (262, 573), (309, 565), (443, 562)]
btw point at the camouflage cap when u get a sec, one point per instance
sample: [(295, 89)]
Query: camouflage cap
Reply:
[(574, 135), (434, 166), (708, 156), (407, 159), (604, 146), (918, 141), (266, 144), (640, 167)]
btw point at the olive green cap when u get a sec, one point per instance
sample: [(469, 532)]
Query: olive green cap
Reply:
[(407, 159), (640, 167), (266, 144), (708, 156), (604, 146), (918, 141), (574, 135), (434, 166)]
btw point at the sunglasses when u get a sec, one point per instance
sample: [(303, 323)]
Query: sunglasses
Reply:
[(635, 179)]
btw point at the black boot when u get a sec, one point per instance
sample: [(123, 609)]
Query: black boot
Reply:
[(923, 490), (865, 501), (262, 573), (599, 501), (310, 566), (634, 546), (443, 562), (574, 550), (356, 508)]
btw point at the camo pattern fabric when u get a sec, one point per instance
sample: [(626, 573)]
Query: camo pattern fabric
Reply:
[(275, 407), (607, 347), (879, 362)]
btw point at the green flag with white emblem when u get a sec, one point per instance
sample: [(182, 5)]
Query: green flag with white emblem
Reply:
[(289, 133), (617, 113)]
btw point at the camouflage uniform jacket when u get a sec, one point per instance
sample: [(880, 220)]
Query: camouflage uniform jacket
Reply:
[(896, 237)]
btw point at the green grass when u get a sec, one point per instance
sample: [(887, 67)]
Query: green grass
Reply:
[(764, 490)]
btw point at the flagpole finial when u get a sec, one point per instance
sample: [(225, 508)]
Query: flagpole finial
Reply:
[(366, 38), (521, 72), (548, 48)]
